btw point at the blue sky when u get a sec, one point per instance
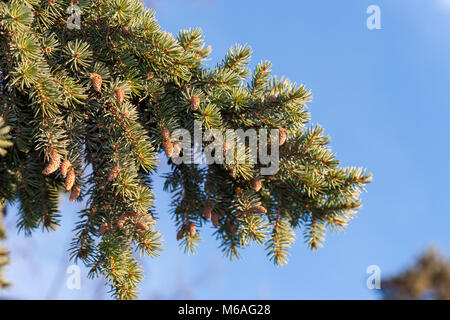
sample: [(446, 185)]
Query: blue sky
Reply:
[(382, 96)]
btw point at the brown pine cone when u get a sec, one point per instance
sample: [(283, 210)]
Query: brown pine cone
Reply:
[(142, 226), (165, 134), (192, 229), (273, 99), (120, 94), (64, 167), (283, 136), (195, 103), (122, 220), (150, 76), (257, 184), (168, 148), (215, 219), (207, 212), (75, 193), (70, 179), (258, 209), (113, 174), (53, 165), (180, 233), (96, 81), (104, 228)]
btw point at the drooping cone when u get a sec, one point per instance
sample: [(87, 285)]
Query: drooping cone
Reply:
[(113, 173), (64, 167), (122, 220), (176, 150), (180, 233), (120, 94), (283, 136), (165, 134), (70, 179), (103, 229), (258, 209), (192, 229), (257, 184), (195, 103), (273, 98), (168, 148), (96, 81), (75, 193), (207, 212), (142, 226), (53, 165), (215, 219)]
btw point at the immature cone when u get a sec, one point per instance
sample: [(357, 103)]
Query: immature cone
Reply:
[(150, 76), (75, 193), (165, 134), (238, 191), (207, 212), (141, 225), (215, 219), (176, 150), (283, 136), (126, 30), (103, 229), (120, 94), (192, 229), (273, 99), (180, 233), (70, 179), (113, 173), (121, 222), (257, 184), (259, 209), (225, 147), (168, 148), (53, 165), (195, 103), (96, 81), (64, 167)]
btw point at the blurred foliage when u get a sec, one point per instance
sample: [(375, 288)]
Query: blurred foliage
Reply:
[(428, 278)]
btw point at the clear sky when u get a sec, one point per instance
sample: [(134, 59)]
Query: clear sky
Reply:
[(382, 95)]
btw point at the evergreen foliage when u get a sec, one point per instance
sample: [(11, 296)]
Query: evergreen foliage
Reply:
[(90, 109)]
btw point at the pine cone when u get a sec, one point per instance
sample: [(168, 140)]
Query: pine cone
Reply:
[(168, 148), (122, 220), (64, 167), (257, 184), (231, 228), (141, 225), (126, 30), (192, 229), (239, 191), (113, 174), (70, 179), (176, 150), (273, 99), (150, 76), (283, 136), (258, 209), (53, 165), (180, 233), (75, 193), (215, 219), (207, 211), (195, 103), (96, 81), (165, 134), (120, 94), (104, 228)]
